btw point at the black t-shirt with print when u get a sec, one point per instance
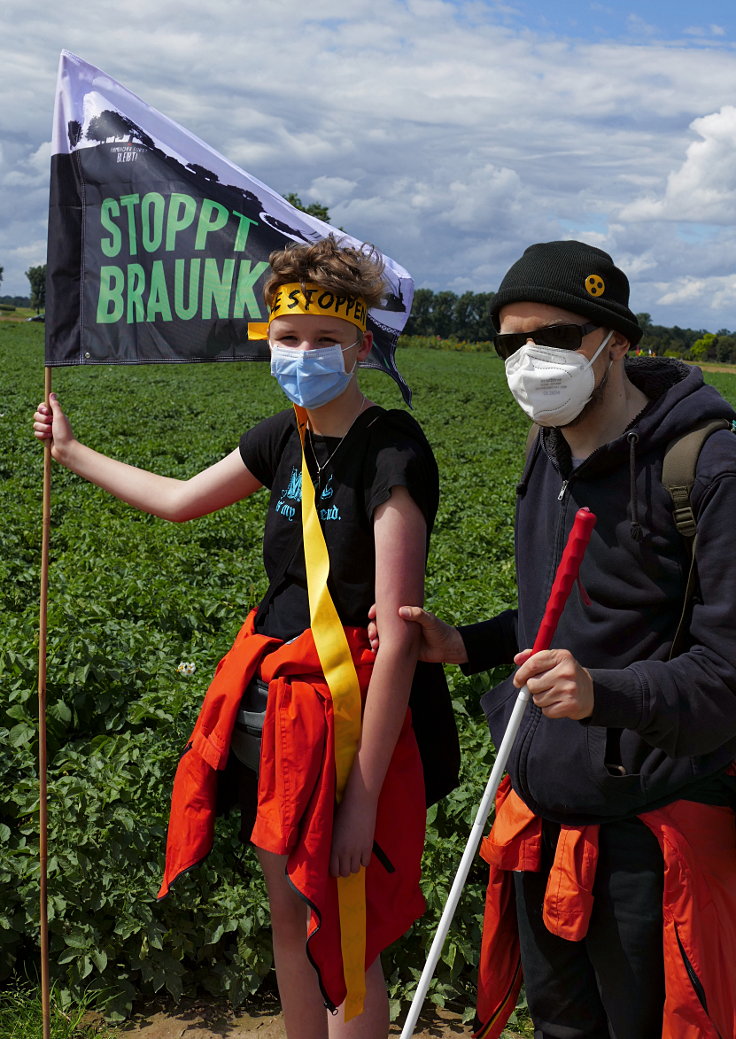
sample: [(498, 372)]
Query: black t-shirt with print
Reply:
[(382, 450)]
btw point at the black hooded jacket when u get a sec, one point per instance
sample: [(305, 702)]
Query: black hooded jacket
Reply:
[(659, 726)]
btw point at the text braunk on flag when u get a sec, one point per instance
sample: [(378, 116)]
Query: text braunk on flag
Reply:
[(201, 285)]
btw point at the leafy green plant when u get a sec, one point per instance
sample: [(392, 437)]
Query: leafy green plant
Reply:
[(21, 1017), (130, 598)]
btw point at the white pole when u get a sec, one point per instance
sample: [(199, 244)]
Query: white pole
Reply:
[(566, 575), (471, 847)]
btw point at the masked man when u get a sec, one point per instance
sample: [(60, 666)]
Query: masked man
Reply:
[(613, 854)]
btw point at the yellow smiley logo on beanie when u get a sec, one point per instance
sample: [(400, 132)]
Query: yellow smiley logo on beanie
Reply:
[(595, 285)]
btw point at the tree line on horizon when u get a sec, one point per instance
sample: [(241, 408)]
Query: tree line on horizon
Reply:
[(466, 318), (37, 298)]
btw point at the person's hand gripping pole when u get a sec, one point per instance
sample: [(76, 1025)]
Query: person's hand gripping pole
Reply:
[(567, 573)]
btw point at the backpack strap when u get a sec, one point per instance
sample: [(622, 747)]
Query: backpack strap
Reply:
[(678, 471), (678, 476)]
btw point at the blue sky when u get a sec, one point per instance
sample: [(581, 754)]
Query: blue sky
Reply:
[(629, 23), (451, 134)]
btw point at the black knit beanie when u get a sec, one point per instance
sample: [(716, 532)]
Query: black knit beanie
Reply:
[(575, 277)]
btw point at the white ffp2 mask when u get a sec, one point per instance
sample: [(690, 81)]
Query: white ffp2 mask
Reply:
[(550, 384)]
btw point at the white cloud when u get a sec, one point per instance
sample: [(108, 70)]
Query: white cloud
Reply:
[(707, 30), (712, 296), (639, 26), (330, 191), (703, 189), (30, 170), (450, 134)]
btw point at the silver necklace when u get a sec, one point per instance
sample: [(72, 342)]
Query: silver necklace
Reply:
[(334, 451)]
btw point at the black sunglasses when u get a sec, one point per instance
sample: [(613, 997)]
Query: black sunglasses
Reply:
[(562, 337)]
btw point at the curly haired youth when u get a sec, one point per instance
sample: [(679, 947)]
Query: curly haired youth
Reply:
[(344, 270)]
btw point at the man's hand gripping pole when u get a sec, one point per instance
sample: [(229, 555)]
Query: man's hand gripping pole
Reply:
[(565, 578)]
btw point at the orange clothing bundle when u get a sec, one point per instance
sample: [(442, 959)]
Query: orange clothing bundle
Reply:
[(698, 843), (296, 794)]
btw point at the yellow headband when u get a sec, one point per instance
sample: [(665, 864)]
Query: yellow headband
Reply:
[(311, 299)]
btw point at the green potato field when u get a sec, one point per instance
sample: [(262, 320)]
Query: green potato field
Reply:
[(130, 598)]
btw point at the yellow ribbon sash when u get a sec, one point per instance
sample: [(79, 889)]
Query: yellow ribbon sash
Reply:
[(342, 681)]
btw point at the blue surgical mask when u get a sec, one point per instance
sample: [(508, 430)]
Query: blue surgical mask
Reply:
[(310, 378)]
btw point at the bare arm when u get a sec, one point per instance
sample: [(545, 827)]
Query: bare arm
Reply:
[(223, 483), (400, 538)]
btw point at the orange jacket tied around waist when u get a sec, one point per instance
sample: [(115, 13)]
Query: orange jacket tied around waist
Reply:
[(698, 843), (296, 794)]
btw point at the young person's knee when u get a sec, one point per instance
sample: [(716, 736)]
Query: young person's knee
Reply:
[(288, 911)]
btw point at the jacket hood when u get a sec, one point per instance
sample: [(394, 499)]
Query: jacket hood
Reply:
[(679, 398)]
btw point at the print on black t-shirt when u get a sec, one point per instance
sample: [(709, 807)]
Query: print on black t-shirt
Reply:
[(382, 450)]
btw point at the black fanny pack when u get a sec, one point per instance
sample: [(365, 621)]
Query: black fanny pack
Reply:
[(246, 740)]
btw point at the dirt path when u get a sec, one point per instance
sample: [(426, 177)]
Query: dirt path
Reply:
[(709, 366), (204, 1021)]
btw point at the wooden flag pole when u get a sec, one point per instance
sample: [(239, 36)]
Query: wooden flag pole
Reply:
[(42, 760)]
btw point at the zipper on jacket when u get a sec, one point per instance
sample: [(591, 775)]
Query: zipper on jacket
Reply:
[(694, 980), (565, 484)]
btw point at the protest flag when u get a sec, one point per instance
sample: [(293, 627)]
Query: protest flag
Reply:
[(158, 246), (158, 249)]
